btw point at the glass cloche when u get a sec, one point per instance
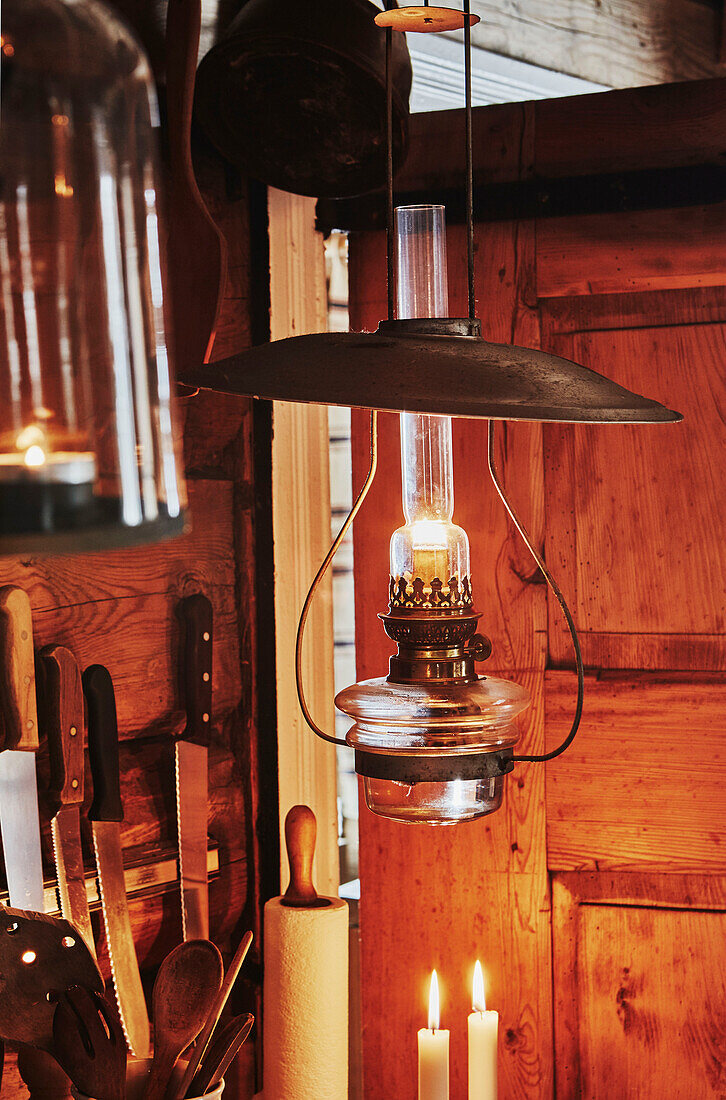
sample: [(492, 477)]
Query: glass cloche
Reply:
[(88, 447)]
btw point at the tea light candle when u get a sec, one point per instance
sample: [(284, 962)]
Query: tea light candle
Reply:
[(433, 1052), (483, 1027)]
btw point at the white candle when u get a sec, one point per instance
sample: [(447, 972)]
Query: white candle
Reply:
[(483, 1027), (433, 1052)]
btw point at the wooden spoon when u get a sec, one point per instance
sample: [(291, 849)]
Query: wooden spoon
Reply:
[(212, 1020), (185, 990), (89, 1044)]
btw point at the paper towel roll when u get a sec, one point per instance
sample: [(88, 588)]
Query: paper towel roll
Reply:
[(305, 1032)]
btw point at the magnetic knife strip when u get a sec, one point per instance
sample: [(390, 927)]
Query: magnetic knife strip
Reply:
[(147, 878)]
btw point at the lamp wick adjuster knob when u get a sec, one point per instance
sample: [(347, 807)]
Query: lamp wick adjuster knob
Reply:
[(480, 647)]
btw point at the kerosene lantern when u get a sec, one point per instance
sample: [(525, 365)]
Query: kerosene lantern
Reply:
[(433, 739)]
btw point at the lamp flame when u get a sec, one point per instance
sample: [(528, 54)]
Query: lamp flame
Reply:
[(434, 1013), (478, 1001)]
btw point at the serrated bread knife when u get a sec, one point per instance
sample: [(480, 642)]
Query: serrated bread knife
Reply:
[(106, 815), (191, 765), (19, 820), (61, 714)]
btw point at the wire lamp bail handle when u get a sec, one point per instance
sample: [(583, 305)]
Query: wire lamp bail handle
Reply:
[(541, 758), (318, 578)]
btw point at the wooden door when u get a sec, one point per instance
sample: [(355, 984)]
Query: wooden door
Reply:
[(611, 251), (640, 969)]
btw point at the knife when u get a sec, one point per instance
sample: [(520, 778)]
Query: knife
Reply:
[(106, 815), (62, 714), (191, 766), (19, 820)]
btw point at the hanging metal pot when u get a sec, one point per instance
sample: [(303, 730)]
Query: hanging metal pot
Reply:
[(294, 94)]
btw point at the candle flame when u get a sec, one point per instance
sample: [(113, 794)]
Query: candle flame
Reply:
[(478, 1001), (434, 1015), (34, 456), (62, 187), (32, 442)]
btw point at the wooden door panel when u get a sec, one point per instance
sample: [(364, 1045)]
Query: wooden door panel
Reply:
[(642, 250), (640, 985), (642, 786), (631, 509)]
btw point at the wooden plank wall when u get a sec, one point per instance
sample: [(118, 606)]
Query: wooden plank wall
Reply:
[(621, 45), (119, 609), (632, 522)]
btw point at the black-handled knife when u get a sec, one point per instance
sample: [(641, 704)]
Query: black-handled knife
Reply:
[(103, 745), (197, 619), (106, 815), (196, 616)]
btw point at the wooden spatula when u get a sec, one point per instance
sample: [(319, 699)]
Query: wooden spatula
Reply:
[(196, 250), (222, 1051), (89, 1044), (40, 957)]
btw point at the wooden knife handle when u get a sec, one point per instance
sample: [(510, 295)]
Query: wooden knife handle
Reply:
[(103, 745), (197, 617), (18, 710), (62, 712)]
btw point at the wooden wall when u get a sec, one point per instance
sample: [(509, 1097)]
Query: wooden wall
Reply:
[(595, 896), (623, 44), (119, 609)]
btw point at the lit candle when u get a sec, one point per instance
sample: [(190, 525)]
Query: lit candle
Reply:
[(433, 1052), (483, 1026)]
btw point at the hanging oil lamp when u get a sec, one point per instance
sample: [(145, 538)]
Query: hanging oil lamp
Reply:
[(433, 739), (88, 448)]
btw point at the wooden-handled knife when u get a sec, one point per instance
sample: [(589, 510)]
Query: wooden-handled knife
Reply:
[(62, 718), (106, 815), (191, 765), (19, 818)]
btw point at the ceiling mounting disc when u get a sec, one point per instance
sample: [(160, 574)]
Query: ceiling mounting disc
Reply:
[(424, 19)]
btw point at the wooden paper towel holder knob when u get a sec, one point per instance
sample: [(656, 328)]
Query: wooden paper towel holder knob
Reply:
[(300, 832)]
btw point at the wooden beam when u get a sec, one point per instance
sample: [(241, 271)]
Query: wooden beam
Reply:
[(641, 132)]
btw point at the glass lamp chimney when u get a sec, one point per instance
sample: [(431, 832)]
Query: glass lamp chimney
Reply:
[(429, 549)]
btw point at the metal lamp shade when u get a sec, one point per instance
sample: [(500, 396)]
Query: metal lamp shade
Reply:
[(400, 367)]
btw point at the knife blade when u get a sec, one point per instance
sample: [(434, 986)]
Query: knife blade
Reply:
[(106, 815), (19, 819), (61, 712), (191, 766)]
